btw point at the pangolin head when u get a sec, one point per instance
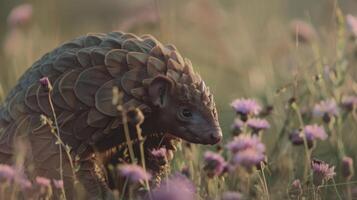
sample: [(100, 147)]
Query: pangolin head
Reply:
[(162, 83), (181, 102)]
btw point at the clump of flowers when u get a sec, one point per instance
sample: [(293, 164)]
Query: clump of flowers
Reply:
[(322, 172), (326, 109), (177, 187), (248, 151), (12, 175), (134, 173), (257, 124), (246, 107), (214, 164)]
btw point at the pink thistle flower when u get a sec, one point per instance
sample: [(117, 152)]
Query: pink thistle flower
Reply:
[(58, 183), (295, 189), (296, 184), (24, 183), (246, 107), (42, 181), (258, 124), (20, 15), (232, 196), (347, 167), (159, 153), (177, 187), (322, 172), (303, 31), (349, 102), (244, 142), (351, 22), (314, 131), (214, 163), (237, 126), (45, 82), (7, 172), (249, 158), (134, 173), (296, 138), (326, 109)]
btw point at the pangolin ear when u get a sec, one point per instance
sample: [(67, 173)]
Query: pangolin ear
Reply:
[(159, 90)]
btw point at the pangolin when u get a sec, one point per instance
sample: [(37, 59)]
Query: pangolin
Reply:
[(152, 77)]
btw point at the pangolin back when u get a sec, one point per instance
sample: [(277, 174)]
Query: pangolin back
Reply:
[(83, 73)]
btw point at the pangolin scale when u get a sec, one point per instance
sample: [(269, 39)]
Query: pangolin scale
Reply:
[(83, 73)]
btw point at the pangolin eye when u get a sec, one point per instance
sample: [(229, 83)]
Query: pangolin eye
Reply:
[(186, 113)]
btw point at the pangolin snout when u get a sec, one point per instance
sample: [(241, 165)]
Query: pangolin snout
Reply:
[(216, 135)]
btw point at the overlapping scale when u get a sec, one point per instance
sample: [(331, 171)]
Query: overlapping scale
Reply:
[(88, 82), (66, 88), (104, 98)]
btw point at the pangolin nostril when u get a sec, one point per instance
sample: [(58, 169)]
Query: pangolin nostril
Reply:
[(216, 137)]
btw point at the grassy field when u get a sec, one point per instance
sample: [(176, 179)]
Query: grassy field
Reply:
[(287, 55)]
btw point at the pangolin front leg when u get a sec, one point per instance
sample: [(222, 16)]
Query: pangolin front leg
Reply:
[(92, 176)]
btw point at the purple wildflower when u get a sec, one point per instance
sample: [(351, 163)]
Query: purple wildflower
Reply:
[(249, 158), (247, 150), (295, 189), (244, 142), (296, 137), (246, 107), (159, 153), (7, 172), (20, 15), (214, 163), (349, 102), (237, 126), (24, 183), (45, 82), (232, 196), (352, 24), (314, 131), (302, 31), (326, 109), (347, 167), (58, 183), (134, 173), (258, 124), (322, 172), (42, 181), (296, 183), (177, 187)]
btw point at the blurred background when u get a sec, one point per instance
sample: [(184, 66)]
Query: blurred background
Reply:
[(241, 48)]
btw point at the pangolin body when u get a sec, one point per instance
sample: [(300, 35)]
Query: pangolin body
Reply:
[(83, 73)]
